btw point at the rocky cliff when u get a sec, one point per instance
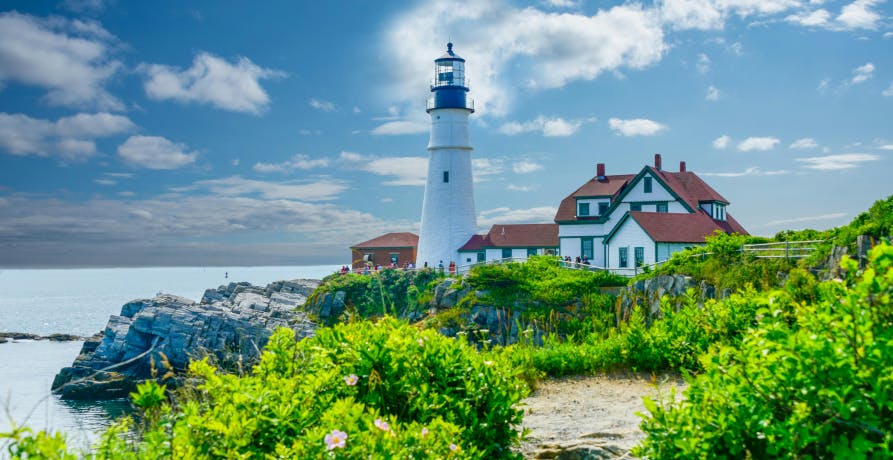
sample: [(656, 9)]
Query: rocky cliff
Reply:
[(231, 324)]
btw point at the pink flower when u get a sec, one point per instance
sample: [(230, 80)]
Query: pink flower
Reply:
[(421, 342), (382, 425), (424, 432), (454, 448), (336, 440), (351, 380)]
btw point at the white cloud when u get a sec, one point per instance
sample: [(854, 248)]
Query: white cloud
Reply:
[(325, 106), (494, 37), (749, 172), (212, 80), (703, 64), (154, 152), (817, 18), (886, 147), (859, 15), (798, 220), (836, 162), (84, 6), (71, 59), (721, 142), (805, 143), (823, 85), (712, 14), (357, 110), (889, 91), (636, 127), (505, 215), (548, 126), (400, 127), (526, 167), (299, 161), (888, 35), (712, 93), (520, 188), (70, 138), (236, 186), (562, 3), (758, 143), (862, 73), (108, 182)]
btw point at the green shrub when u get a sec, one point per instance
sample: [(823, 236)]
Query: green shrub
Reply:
[(812, 381), (384, 292)]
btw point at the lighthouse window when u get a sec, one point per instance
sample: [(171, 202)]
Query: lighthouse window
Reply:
[(446, 176)]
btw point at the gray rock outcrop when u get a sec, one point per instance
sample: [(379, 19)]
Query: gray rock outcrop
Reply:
[(231, 325)]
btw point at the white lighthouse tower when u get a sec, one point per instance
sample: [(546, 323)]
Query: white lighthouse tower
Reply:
[(448, 217)]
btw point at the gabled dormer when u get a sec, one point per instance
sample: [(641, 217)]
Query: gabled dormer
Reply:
[(715, 209)]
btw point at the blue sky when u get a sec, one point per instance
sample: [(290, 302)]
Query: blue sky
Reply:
[(265, 133)]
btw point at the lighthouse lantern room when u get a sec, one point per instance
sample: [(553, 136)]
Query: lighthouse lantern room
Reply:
[(448, 215)]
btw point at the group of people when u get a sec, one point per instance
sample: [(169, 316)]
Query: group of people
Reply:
[(368, 268), (579, 260)]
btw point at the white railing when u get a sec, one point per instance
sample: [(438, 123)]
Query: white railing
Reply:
[(628, 272), (782, 249)]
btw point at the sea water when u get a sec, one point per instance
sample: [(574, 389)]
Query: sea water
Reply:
[(79, 301)]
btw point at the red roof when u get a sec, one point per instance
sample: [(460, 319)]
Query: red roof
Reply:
[(691, 188), (687, 185), (391, 240), (515, 236), (476, 243), (609, 186), (665, 227)]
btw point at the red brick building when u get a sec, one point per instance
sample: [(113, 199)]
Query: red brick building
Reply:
[(387, 249)]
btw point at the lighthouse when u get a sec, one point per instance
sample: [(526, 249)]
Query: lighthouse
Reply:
[(448, 217)]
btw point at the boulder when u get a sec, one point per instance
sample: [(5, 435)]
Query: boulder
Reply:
[(231, 325)]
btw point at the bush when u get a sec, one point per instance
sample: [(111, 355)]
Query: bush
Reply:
[(813, 380), (385, 292), (359, 390)]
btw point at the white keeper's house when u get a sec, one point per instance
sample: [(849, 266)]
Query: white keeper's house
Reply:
[(629, 220)]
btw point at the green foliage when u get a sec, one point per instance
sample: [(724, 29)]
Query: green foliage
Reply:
[(813, 380), (23, 444), (359, 390), (673, 342), (388, 291), (721, 264)]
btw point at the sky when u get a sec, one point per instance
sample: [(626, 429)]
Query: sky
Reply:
[(172, 133)]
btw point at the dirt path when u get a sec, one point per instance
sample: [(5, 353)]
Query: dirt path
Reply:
[(589, 417)]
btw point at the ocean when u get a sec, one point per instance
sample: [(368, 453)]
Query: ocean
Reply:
[(79, 301)]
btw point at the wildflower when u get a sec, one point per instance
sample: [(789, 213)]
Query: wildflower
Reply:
[(336, 440), (424, 432), (382, 425), (454, 448), (351, 380), (421, 343), (488, 363)]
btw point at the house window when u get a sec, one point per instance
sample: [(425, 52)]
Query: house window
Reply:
[(507, 253), (368, 258), (531, 252), (624, 257), (446, 177), (395, 258), (647, 185), (586, 249), (640, 256), (602, 208), (583, 209), (637, 207), (482, 256), (662, 207)]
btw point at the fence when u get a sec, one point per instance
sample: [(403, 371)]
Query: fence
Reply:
[(782, 249)]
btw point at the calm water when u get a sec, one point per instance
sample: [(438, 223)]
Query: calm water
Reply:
[(79, 301)]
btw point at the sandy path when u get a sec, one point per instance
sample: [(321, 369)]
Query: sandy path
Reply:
[(589, 417)]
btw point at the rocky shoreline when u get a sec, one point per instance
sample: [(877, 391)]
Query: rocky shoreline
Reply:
[(16, 336), (230, 326)]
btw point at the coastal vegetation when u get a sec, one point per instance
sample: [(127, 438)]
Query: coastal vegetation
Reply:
[(785, 366)]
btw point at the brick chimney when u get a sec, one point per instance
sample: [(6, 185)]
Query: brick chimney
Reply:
[(600, 171), (657, 161), (681, 166)]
